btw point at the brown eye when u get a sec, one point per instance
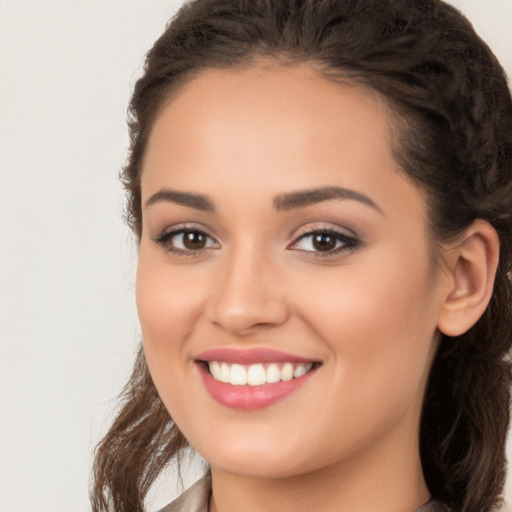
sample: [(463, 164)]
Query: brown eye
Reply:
[(186, 242), (194, 240), (324, 242)]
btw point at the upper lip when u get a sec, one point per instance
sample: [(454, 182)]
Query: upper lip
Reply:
[(251, 356)]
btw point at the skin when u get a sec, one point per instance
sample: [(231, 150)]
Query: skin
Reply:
[(348, 438)]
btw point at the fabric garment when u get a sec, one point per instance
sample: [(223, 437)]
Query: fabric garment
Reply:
[(196, 498)]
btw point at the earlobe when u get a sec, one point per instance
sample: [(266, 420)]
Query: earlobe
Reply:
[(472, 270)]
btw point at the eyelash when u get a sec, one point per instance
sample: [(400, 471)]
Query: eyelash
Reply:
[(165, 238), (348, 243)]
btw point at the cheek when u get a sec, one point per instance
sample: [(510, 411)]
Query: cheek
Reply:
[(380, 335), (378, 320), (168, 303)]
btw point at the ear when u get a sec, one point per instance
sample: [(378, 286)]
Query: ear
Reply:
[(472, 265)]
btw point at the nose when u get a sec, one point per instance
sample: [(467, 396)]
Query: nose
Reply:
[(248, 296)]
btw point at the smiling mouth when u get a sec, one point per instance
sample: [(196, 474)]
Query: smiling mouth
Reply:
[(257, 374), (253, 379)]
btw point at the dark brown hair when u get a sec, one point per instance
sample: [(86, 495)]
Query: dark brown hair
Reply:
[(453, 114)]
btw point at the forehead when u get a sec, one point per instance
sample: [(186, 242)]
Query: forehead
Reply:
[(269, 111), (286, 91), (267, 130)]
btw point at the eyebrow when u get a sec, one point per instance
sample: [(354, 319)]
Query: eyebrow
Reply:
[(282, 203), (196, 201), (303, 198)]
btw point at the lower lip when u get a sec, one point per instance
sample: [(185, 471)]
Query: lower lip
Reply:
[(250, 398)]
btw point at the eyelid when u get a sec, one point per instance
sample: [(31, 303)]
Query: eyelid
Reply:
[(323, 226), (176, 228)]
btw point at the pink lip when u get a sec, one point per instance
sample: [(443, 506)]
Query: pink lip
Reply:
[(250, 356), (250, 398)]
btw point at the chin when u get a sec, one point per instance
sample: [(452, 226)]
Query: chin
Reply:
[(260, 468), (257, 458)]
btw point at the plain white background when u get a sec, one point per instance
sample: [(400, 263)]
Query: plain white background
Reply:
[(68, 326)]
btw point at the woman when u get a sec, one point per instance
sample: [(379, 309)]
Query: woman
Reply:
[(322, 195)]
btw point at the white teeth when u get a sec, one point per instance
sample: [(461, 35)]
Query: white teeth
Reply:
[(215, 370), (287, 372), (238, 375), (225, 373), (299, 370), (273, 373), (256, 374)]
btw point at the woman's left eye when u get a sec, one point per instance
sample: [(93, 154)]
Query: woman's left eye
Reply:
[(325, 242)]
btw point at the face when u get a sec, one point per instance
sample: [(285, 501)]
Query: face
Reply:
[(287, 301)]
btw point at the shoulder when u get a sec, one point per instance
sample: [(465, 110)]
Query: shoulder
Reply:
[(433, 506), (194, 499)]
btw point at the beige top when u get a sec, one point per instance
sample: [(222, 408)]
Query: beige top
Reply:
[(196, 498)]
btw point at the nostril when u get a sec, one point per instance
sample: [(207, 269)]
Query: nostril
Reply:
[(248, 318), (242, 328)]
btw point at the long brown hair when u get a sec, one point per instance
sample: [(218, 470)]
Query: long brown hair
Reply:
[(454, 116)]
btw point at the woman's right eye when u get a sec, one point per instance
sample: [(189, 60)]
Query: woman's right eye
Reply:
[(186, 241)]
